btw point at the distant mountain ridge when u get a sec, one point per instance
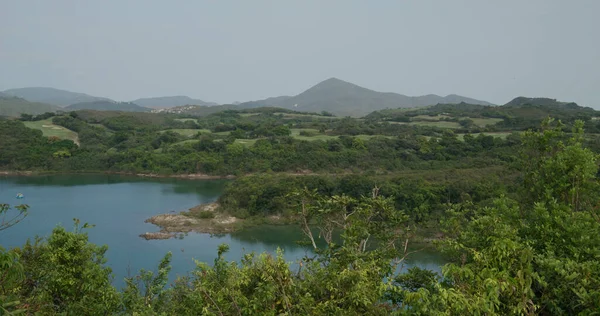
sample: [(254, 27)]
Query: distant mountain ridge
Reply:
[(107, 106), (13, 106), (332, 95), (170, 102), (347, 99), (52, 96)]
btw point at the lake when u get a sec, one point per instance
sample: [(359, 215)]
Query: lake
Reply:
[(118, 206)]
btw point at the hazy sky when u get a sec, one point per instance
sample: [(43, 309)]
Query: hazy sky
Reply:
[(226, 51)]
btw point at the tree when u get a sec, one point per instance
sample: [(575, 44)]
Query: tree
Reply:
[(11, 269), (347, 276), (14, 216), (66, 274), (538, 254)]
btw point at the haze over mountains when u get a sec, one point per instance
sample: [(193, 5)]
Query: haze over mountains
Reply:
[(169, 102), (52, 96), (332, 95), (14, 106), (107, 106)]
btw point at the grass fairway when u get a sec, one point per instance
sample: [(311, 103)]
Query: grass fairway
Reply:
[(300, 115), (323, 137), (316, 137), (246, 142), (184, 142), (485, 121), (50, 130), (222, 133), (440, 124), (502, 135), (188, 131), (367, 137), (296, 131), (248, 114), (187, 119), (427, 120)]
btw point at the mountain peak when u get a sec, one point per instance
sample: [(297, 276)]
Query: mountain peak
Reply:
[(333, 81), (337, 86)]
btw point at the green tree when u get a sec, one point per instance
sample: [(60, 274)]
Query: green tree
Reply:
[(539, 254), (66, 274), (11, 269)]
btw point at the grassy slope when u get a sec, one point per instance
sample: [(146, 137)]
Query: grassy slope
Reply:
[(187, 119), (50, 130), (188, 131)]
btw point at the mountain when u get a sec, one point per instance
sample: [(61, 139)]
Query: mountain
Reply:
[(347, 99), (107, 106), (170, 102), (52, 96), (269, 102), (13, 106)]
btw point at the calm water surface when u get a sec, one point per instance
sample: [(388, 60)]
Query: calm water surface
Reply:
[(118, 206)]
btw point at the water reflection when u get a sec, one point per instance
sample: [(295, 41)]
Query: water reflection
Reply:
[(173, 185)]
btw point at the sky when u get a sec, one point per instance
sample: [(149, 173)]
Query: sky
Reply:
[(226, 51)]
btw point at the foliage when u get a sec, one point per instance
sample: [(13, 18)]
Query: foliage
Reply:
[(539, 255), (66, 274), (530, 249), (11, 217)]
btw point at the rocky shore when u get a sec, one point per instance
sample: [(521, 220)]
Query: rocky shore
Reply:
[(203, 218)]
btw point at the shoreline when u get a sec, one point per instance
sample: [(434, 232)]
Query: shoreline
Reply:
[(191, 176), (204, 219), (207, 219)]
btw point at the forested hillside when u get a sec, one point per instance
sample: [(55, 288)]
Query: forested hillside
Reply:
[(529, 247), (512, 208)]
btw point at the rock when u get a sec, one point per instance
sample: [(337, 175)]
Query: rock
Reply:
[(157, 235)]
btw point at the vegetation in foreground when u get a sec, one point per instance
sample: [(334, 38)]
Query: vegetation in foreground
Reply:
[(537, 252)]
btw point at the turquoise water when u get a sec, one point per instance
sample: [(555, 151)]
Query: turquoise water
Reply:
[(118, 206)]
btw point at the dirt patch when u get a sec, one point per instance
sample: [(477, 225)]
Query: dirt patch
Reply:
[(193, 220)]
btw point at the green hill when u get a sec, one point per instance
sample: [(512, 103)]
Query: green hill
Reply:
[(52, 96), (520, 113), (107, 106), (14, 107), (346, 99)]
